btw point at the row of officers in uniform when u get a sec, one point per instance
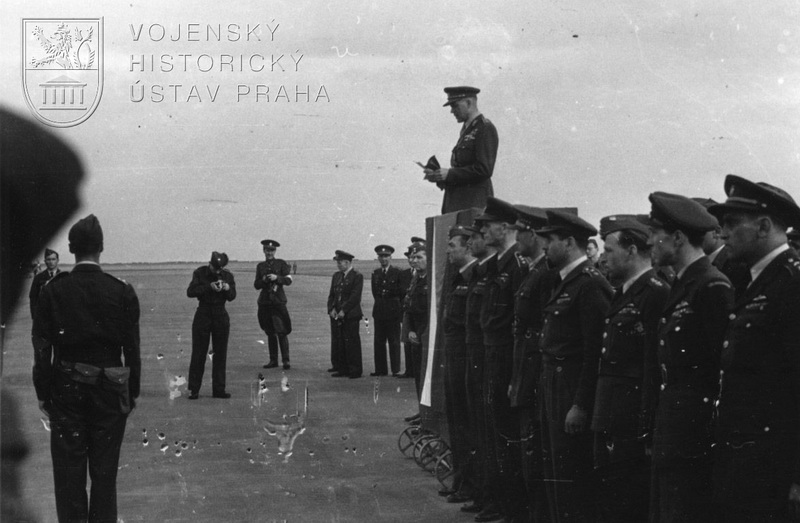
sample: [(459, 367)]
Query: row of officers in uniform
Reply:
[(666, 390)]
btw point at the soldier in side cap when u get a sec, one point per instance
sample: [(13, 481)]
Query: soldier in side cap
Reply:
[(571, 340), (272, 275), (89, 321), (497, 316), (213, 285), (386, 312), (628, 376), (344, 309), (483, 498), (454, 329), (529, 301), (690, 337), (757, 454), (467, 183)]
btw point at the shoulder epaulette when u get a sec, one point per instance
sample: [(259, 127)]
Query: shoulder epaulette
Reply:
[(718, 282), (793, 264), (655, 281), (592, 271)]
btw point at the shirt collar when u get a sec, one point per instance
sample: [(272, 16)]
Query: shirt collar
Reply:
[(760, 265), (87, 262), (469, 264), (713, 255), (483, 261), (569, 268)]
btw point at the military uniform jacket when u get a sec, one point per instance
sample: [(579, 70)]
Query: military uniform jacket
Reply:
[(416, 305), (573, 325), (39, 280), (272, 291), (476, 293), (200, 287), (406, 275), (690, 336), (388, 292), (87, 316), (628, 379), (468, 182), (345, 294), (529, 301), (497, 308), (760, 379), (455, 309)]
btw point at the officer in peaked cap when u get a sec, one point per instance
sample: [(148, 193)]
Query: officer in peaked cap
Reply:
[(272, 275), (570, 341), (344, 309), (719, 253), (467, 183), (80, 380), (505, 274), (417, 239), (387, 313), (757, 424), (628, 378), (213, 285), (690, 334), (527, 356)]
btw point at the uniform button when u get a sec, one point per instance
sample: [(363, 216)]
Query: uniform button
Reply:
[(608, 321), (558, 369), (747, 326), (732, 316), (725, 344), (661, 343), (663, 320), (603, 351), (556, 313), (678, 328), (663, 386), (605, 335)]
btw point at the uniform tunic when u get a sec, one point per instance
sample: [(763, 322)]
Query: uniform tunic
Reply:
[(757, 456), (455, 388), (387, 315), (571, 341), (406, 275), (497, 317), (627, 390), (86, 317), (345, 295), (529, 303), (273, 316), (211, 323), (690, 338), (415, 319), (468, 182)]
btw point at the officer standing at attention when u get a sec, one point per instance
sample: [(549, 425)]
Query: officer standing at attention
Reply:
[(571, 341), (467, 183), (527, 358), (406, 275), (386, 312), (455, 361), (497, 318), (40, 280), (628, 379), (89, 321), (690, 337), (344, 309), (213, 286), (272, 275), (756, 475), (415, 317)]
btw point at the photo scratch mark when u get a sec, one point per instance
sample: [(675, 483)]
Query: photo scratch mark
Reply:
[(346, 52)]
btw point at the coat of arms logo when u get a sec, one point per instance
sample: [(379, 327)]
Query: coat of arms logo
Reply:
[(62, 68)]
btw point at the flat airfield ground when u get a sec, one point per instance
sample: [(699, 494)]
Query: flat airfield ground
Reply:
[(210, 460)]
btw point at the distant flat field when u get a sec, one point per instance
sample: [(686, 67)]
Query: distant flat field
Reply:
[(211, 460)]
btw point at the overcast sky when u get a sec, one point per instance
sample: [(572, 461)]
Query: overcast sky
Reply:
[(597, 104)]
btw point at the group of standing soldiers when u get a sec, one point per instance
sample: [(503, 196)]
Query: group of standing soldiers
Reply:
[(666, 390)]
